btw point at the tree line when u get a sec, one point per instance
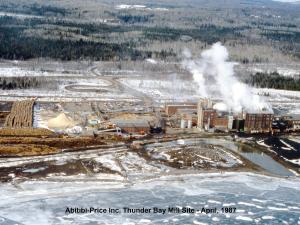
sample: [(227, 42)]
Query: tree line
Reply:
[(274, 80), (10, 83)]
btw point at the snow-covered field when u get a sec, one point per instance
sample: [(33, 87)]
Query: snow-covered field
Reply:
[(21, 72), (288, 102), (19, 15), (287, 71), (62, 95), (140, 7), (171, 87), (164, 89), (275, 94)]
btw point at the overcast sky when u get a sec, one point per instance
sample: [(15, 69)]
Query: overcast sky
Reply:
[(287, 0)]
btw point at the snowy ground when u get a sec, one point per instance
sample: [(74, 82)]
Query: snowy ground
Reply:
[(164, 89), (287, 70), (139, 7), (14, 71), (19, 15), (95, 83), (63, 95), (195, 153)]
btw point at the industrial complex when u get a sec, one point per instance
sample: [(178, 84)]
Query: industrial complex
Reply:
[(206, 117), (202, 116)]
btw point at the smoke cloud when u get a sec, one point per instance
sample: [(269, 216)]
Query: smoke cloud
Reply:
[(214, 75)]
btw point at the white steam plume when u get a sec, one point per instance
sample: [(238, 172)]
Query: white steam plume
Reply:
[(214, 75)]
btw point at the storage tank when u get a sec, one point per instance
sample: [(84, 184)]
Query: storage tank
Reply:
[(190, 124), (230, 122), (182, 124)]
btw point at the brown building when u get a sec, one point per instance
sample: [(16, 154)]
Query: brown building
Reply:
[(133, 126), (206, 114), (172, 109), (221, 122), (258, 122), (189, 115), (209, 118)]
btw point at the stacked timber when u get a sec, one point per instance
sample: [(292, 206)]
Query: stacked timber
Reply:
[(21, 114)]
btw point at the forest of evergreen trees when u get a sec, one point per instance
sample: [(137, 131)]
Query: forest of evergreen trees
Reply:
[(274, 80), (10, 83), (14, 44), (67, 34), (207, 33)]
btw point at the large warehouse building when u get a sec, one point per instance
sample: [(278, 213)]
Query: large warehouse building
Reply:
[(258, 122)]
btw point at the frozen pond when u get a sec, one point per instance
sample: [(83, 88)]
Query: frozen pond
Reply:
[(258, 199), (258, 158), (267, 163)]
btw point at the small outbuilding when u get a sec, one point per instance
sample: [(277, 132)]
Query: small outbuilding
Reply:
[(293, 121)]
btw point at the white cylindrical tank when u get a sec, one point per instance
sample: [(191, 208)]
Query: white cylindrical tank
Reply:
[(230, 122), (190, 124), (182, 124)]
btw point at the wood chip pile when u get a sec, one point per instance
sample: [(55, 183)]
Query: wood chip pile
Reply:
[(21, 115)]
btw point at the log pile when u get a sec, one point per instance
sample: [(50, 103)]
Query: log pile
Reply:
[(26, 132), (21, 115)]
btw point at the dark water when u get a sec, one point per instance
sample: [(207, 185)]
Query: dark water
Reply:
[(284, 147)]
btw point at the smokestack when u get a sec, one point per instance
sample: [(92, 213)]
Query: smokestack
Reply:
[(214, 75)]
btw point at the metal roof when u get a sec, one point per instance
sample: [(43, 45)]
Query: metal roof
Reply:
[(5, 106), (293, 116), (130, 123)]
